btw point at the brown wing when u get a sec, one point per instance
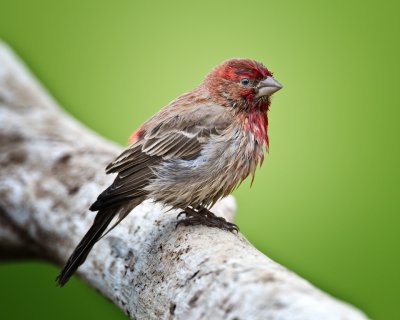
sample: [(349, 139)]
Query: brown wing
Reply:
[(132, 177), (179, 136)]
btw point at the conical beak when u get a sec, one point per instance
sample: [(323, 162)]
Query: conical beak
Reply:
[(267, 87)]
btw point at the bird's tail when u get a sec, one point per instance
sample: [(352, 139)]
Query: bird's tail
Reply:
[(102, 220)]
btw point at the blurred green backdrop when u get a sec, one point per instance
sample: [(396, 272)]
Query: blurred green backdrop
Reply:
[(326, 202)]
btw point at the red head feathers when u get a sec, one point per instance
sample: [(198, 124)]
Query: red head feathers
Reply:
[(235, 69)]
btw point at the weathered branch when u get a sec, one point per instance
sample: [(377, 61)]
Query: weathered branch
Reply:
[(52, 168)]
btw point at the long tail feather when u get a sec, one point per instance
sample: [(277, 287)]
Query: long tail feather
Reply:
[(102, 220)]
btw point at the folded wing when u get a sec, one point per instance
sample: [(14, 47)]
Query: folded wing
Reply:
[(179, 136)]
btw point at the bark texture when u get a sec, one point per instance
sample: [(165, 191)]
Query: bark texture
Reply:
[(52, 168)]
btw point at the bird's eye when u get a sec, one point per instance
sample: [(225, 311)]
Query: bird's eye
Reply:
[(244, 81)]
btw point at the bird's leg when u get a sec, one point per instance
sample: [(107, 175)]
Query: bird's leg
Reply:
[(203, 216)]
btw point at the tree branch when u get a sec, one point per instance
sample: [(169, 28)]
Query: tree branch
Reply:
[(52, 168)]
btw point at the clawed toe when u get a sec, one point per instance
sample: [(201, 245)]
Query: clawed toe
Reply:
[(181, 214), (231, 227), (226, 225)]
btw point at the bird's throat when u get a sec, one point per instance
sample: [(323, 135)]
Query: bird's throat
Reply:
[(255, 121)]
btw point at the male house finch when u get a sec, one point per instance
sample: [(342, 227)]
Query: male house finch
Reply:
[(191, 153)]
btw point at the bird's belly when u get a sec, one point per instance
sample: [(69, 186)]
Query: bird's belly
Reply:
[(211, 176)]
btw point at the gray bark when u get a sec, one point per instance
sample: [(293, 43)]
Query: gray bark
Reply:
[(52, 168)]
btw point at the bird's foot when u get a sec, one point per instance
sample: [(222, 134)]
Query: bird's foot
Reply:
[(206, 218)]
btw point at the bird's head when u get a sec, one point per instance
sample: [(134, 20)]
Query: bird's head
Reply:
[(241, 82)]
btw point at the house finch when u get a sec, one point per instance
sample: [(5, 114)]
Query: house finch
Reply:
[(191, 153)]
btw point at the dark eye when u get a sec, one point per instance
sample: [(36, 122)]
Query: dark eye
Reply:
[(244, 81)]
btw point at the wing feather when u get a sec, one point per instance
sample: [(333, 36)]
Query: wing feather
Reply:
[(177, 136)]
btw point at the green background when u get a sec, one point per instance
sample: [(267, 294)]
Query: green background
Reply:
[(326, 202)]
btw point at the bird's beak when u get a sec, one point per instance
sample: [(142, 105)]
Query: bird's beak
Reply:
[(267, 87)]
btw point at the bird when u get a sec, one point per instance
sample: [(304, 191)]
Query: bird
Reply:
[(193, 152)]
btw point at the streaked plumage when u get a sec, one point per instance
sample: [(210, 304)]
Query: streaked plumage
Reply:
[(191, 153)]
